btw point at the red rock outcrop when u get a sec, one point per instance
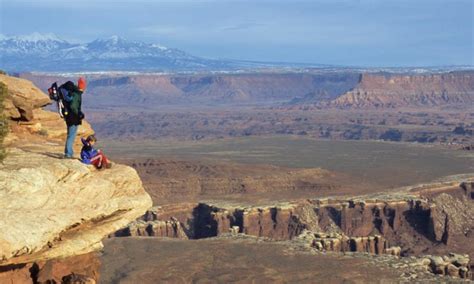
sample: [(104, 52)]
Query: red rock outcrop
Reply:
[(341, 90), (146, 89), (398, 223), (392, 91), (279, 223), (342, 243), (67, 270)]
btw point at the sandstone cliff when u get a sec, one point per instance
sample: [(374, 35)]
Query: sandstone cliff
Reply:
[(341, 90), (56, 208), (392, 91), (209, 89), (52, 207), (431, 218)]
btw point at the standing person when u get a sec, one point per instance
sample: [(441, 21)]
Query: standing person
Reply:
[(73, 100)]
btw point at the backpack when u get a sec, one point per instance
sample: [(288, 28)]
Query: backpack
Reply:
[(56, 94)]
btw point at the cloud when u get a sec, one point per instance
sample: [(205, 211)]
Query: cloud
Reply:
[(242, 26)]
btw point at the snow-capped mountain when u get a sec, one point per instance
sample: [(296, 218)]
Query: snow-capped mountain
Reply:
[(47, 52), (34, 44)]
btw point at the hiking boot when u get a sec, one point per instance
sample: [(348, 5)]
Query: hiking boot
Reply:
[(108, 166)]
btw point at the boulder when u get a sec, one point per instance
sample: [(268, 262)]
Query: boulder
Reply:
[(464, 273), (393, 251), (438, 265), (23, 97), (11, 110), (452, 270), (459, 259)]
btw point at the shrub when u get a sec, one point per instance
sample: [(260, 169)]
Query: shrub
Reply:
[(3, 120), (3, 72), (391, 135), (459, 130)]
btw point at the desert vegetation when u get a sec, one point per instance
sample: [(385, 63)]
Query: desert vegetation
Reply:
[(3, 120)]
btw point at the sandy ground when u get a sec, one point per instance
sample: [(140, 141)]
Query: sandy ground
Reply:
[(149, 260)]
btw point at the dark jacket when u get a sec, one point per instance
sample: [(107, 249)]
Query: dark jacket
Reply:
[(87, 152), (73, 103)]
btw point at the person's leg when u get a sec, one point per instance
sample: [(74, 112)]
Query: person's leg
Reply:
[(97, 161), (105, 162), (71, 136)]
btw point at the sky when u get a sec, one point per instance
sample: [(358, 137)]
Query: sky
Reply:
[(351, 33)]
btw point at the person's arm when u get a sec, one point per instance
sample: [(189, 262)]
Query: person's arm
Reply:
[(94, 152), (84, 142)]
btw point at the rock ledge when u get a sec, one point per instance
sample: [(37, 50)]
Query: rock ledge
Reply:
[(53, 207)]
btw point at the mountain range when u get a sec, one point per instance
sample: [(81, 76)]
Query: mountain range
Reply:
[(49, 53)]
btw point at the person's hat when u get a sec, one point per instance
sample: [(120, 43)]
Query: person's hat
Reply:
[(81, 84)]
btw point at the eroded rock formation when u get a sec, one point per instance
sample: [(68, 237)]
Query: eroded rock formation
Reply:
[(400, 223), (148, 89), (82, 269), (342, 243), (23, 98), (392, 91), (52, 207), (66, 206), (341, 90)]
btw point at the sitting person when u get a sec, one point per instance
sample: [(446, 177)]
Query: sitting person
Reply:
[(91, 156)]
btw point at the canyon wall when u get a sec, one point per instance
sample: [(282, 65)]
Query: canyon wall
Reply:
[(210, 89), (427, 223), (393, 91), (416, 222), (347, 90)]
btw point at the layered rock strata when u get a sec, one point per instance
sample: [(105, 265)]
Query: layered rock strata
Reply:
[(342, 243), (23, 97), (52, 207), (66, 270), (341, 90), (359, 216), (400, 223), (66, 206), (394, 91), (141, 90)]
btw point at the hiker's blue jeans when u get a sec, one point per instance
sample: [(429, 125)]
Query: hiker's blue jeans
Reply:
[(71, 136)]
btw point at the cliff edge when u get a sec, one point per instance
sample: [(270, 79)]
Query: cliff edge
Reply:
[(394, 91), (53, 207)]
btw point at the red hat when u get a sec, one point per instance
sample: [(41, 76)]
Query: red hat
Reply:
[(81, 84)]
